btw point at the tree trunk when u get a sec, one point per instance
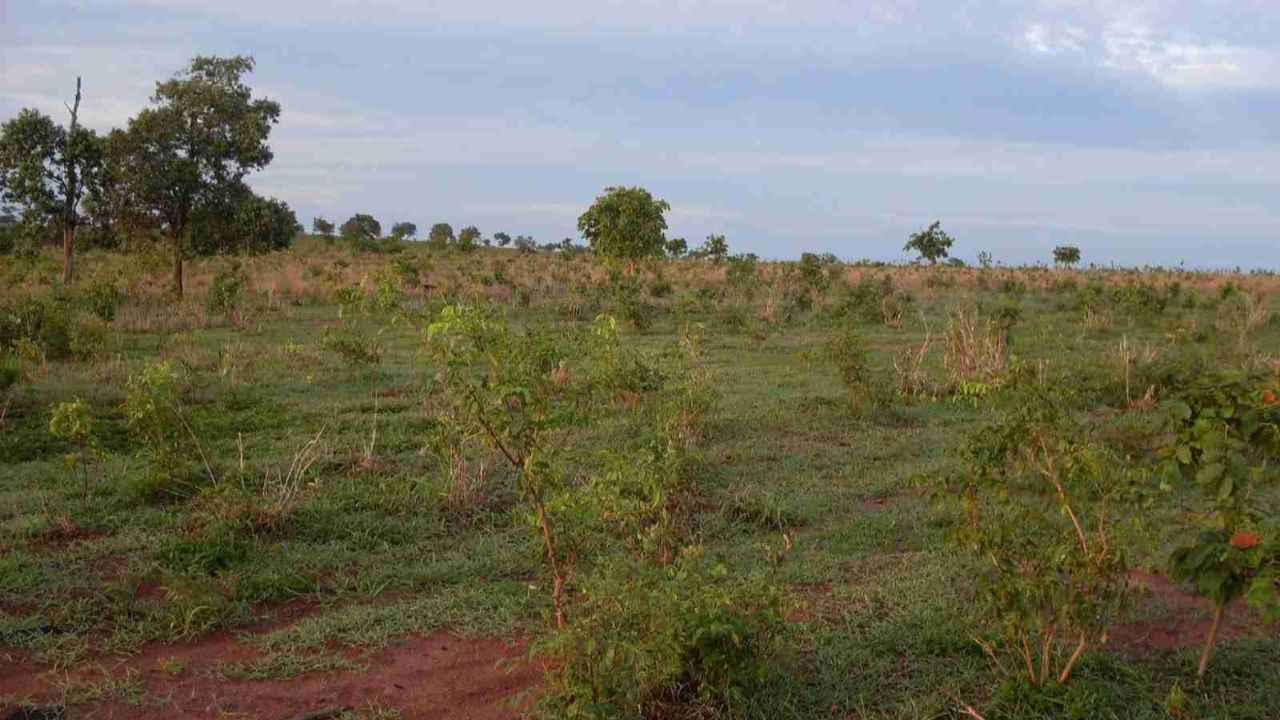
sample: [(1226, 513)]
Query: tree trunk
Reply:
[(177, 265), (1209, 641), (68, 257)]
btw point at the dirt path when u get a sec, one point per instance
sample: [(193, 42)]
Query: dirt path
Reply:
[(438, 676)]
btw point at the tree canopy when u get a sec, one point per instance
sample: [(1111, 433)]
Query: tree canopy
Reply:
[(45, 169), (204, 134), (361, 228), (930, 244), (403, 230), (322, 227), (625, 222), (1066, 255)]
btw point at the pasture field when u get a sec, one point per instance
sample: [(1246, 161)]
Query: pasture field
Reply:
[(371, 481)]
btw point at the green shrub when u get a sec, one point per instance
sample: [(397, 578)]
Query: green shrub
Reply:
[(659, 641), (103, 298), (226, 291), (1034, 494), (848, 352)]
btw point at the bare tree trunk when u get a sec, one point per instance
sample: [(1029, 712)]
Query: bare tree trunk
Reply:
[(177, 265), (1209, 641), (72, 197), (68, 257)]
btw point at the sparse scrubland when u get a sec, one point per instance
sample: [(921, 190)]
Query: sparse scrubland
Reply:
[(714, 487)]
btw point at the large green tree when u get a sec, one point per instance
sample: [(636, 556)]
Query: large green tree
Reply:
[(625, 222), (45, 169), (193, 149)]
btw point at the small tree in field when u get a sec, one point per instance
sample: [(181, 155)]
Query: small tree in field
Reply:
[(625, 223), (46, 169), (1066, 255), (677, 247), (932, 243), (361, 228), (440, 235), (468, 238), (502, 239), (404, 230), (716, 248), (322, 227)]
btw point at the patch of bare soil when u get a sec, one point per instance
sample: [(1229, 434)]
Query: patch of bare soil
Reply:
[(438, 676), (1183, 620)]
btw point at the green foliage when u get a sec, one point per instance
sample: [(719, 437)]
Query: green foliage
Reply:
[(715, 247), (357, 347), (848, 351), (153, 411), (193, 149), (440, 236), (1037, 499), (625, 223), (72, 422), (45, 324), (930, 244), (361, 230), (1066, 255), (1225, 430), (45, 169), (103, 298), (741, 273), (404, 230), (656, 641), (322, 227), (226, 291)]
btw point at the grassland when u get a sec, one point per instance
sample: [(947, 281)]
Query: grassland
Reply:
[(316, 521)]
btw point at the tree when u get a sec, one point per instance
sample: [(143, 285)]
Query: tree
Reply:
[(625, 223), (440, 236), (322, 227), (266, 224), (46, 168), (716, 248), (931, 244), (502, 239), (204, 135), (1066, 255), (468, 238), (677, 247), (361, 228), (242, 222), (403, 230)]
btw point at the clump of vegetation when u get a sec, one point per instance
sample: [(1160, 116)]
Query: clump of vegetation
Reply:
[(1225, 429), (655, 641), (1037, 500)]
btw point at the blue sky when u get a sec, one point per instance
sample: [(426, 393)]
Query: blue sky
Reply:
[(1139, 131)]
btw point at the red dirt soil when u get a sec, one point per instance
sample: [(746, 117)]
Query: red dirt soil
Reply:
[(1186, 622), (439, 676)]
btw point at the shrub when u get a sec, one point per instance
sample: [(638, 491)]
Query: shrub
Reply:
[(1035, 494), (153, 410), (848, 352), (226, 292), (103, 298), (71, 421), (649, 640), (1225, 429)]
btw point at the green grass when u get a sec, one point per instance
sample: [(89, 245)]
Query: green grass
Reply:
[(883, 629)]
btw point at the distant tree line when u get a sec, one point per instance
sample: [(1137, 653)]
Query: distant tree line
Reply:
[(174, 174)]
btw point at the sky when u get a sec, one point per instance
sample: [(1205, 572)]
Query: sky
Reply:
[(1141, 132)]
